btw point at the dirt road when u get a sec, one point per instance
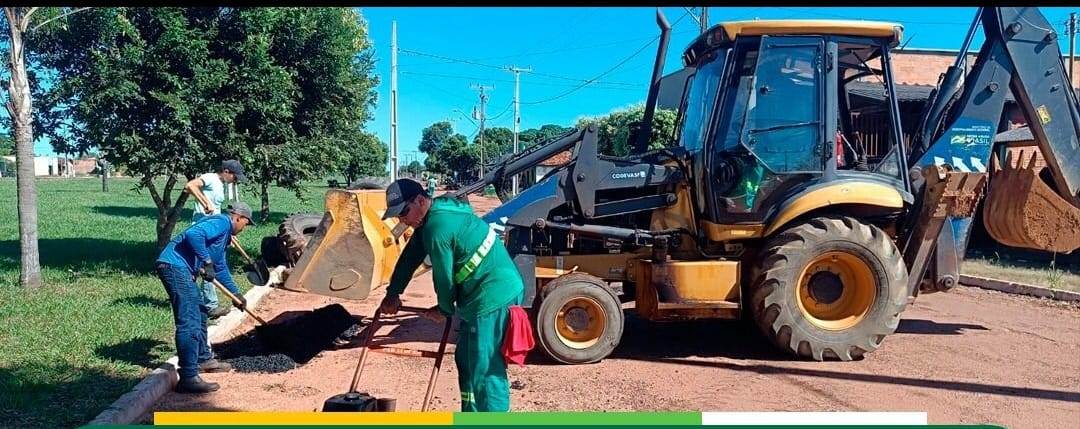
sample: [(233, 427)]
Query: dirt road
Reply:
[(968, 356)]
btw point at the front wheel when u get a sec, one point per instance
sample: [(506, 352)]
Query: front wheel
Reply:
[(580, 319), (831, 288)]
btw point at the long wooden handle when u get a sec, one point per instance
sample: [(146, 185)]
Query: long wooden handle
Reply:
[(364, 350), (236, 244), (438, 364), (236, 300)]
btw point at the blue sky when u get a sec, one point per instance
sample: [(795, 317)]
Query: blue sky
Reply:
[(564, 47), (563, 44)]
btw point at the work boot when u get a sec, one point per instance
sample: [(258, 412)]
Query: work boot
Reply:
[(195, 385), (214, 365), (219, 311)]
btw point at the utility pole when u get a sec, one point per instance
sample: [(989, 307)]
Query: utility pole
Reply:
[(701, 17), (393, 102), (704, 21), (517, 114), (482, 117), (1072, 45)]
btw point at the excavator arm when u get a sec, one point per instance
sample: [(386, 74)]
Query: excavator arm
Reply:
[(1021, 54)]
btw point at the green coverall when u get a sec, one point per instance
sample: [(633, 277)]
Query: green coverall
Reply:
[(452, 236)]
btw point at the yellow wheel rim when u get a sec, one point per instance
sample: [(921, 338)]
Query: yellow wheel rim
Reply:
[(836, 290), (580, 322)]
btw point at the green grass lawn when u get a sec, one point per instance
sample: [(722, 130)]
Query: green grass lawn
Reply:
[(102, 320), (1062, 272)]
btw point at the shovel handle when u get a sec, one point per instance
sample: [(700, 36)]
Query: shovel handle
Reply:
[(236, 300), (438, 364), (236, 244), (363, 351)]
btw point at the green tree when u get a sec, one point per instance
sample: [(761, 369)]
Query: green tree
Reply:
[(366, 156), (20, 86), (171, 92), (306, 88), (432, 140), (413, 169), (7, 145), (614, 128), (532, 136), (460, 158), (142, 85), (448, 152), (498, 141)]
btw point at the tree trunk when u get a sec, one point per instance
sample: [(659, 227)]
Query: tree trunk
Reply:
[(168, 211), (164, 232), (265, 194), (19, 109)]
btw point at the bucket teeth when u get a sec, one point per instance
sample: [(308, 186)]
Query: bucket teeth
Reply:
[(1021, 210)]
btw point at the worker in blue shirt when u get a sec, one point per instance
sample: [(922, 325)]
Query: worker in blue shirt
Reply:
[(199, 250)]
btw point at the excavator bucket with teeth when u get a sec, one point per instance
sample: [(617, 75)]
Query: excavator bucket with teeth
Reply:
[(1022, 210)]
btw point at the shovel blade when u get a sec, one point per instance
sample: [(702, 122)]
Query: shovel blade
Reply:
[(257, 274)]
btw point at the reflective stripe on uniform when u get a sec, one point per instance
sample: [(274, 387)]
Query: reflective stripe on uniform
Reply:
[(477, 257), (468, 397)]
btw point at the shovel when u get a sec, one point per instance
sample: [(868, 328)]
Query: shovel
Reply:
[(236, 300), (438, 365), (361, 401), (257, 272)]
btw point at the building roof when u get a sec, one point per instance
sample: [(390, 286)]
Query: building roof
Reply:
[(1021, 134), (813, 26), (904, 92), (558, 159), (873, 90)]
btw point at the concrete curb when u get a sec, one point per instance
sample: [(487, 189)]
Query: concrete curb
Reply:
[(1019, 288), (133, 405)]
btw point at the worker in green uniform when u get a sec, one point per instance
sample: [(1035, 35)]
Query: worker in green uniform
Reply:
[(474, 278)]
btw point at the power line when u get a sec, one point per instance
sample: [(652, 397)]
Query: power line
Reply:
[(443, 57), (470, 100), (474, 78), (552, 51), (507, 109), (501, 68), (833, 15), (573, 79), (606, 72)]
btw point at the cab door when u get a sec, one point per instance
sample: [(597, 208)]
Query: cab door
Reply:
[(770, 135)]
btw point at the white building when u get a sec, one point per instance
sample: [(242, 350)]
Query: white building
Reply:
[(43, 166)]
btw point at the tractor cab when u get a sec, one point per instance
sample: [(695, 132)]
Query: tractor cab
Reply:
[(773, 109)]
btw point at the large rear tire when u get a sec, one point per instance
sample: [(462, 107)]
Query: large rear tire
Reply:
[(295, 231), (580, 319), (831, 288), (369, 183)]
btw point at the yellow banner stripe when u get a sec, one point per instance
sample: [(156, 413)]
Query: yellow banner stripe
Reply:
[(302, 418)]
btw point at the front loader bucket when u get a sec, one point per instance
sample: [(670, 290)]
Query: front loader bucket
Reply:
[(352, 252), (1021, 210)]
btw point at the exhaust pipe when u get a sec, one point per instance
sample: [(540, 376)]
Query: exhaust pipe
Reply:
[(641, 136)]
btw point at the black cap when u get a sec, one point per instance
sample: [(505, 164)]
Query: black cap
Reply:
[(399, 194), (241, 208), (234, 166)]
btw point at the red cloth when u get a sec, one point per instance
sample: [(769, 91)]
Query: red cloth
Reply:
[(839, 149), (519, 336)]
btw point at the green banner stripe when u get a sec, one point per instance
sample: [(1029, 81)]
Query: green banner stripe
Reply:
[(579, 418)]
